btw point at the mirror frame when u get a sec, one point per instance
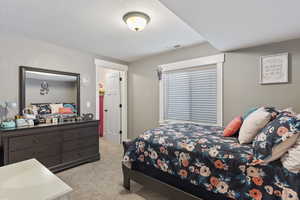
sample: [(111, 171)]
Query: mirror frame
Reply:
[(22, 84)]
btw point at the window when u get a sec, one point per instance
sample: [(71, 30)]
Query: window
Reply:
[(192, 91)]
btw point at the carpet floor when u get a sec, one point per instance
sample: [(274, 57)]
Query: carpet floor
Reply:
[(102, 180)]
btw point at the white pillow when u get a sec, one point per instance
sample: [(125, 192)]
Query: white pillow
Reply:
[(291, 110), (55, 108), (280, 149), (291, 160), (252, 124)]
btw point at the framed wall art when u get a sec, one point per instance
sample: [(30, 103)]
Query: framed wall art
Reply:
[(274, 69)]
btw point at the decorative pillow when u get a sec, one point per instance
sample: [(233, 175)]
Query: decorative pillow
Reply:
[(55, 108), (34, 109), (273, 111), (291, 160), (43, 109), (72, 106), (246, 114), (276, 132), (279, 150), (290, 110), (65, 111), (233, 127), (253, 124)]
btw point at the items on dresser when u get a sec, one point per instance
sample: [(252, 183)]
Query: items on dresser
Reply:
[(5, 109), (88, 116), (54, 120), (48, 113), (30, 122), (58, 147), (28, 113), (48, 120), (8, 124), (21, 122)]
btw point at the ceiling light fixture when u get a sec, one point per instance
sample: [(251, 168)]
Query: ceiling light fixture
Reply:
[(136, 21)]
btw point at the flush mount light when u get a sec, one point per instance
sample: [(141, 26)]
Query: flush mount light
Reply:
[(136, 21)]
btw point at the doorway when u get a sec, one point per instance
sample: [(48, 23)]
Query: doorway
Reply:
[(111, 106)]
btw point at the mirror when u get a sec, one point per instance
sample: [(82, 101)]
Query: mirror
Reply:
[(49, 92)]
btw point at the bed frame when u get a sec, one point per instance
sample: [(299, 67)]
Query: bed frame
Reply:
[(139, 177)]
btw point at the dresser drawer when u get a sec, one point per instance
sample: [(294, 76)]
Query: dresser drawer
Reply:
[(83, 153), (57, 146), (21, 143), (37, 152), (71, 134), (79, 133), (80, 143), (50, 161)]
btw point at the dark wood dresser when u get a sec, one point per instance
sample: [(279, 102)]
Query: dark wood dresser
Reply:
[(58, 147)]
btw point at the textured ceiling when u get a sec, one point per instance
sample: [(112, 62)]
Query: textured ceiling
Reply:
[(234, 24), (96, 26)]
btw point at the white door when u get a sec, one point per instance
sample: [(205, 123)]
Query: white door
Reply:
[(112, 102)]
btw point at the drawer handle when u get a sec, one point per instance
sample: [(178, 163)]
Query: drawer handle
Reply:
[(35, 140)]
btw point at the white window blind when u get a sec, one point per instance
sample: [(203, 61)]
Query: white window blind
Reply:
[(191, 95)]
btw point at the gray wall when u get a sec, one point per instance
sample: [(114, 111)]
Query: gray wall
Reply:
[(143, 90), (59, 92), (16, 50), (241, 88), (241, 80)]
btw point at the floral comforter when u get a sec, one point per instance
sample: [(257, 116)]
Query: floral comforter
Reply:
[(201, 155)]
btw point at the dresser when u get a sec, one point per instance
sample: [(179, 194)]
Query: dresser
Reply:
[(57, 147)]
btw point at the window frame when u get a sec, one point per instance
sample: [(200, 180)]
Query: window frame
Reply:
[(217, 60)]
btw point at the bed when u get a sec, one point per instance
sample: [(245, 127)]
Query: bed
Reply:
[(200, 162)]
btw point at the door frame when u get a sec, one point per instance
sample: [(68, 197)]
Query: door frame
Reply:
[(123, 69)]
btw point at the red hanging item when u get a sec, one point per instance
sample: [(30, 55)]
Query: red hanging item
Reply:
[(101, 111)]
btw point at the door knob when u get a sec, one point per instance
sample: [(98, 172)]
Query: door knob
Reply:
[(105, 110)]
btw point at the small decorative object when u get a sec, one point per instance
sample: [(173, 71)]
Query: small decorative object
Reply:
[(28, 113), (54, 120), (30, 122), (48, 120), (5, 109), (21, 123), (61, 120), (101, 90), (42, 120), (44, 88), (88, 116), (274, 69), (36, 122), (8, 124)]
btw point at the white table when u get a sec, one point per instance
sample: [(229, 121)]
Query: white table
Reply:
[(30, 180)]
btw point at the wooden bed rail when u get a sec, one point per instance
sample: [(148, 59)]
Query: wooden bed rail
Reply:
[(126, 144)]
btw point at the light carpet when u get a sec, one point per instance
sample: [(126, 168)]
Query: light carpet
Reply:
[(102, 180)]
